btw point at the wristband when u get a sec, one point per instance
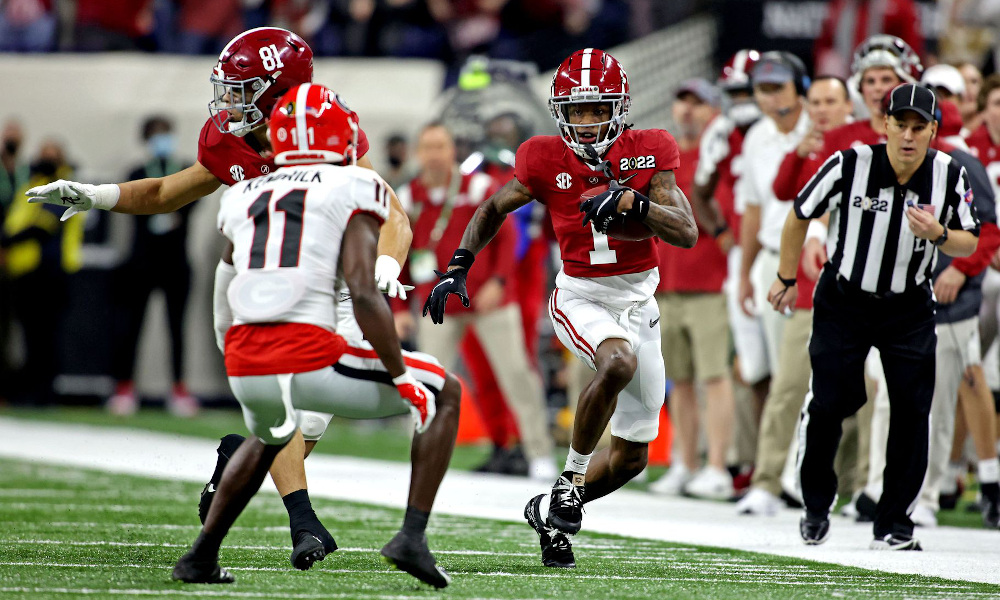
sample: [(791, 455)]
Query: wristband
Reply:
[(786, 282), (463, 259), (405, 378), (942, 238), (106, 196), (640, 206), (720, 230)]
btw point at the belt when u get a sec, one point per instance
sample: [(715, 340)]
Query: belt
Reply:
[(849, 288)]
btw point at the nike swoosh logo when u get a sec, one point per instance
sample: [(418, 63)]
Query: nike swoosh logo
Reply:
[(444, 281), (653, 322), (627, 178)]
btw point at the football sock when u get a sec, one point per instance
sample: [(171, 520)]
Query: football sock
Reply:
[(206, 547), (989, 473), (227, 447), (300, 510), (415, 522), (577, 462)]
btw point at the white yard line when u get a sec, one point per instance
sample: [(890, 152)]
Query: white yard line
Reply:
[(963, 554)]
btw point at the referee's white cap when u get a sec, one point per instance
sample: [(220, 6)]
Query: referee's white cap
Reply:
[(917, 98)]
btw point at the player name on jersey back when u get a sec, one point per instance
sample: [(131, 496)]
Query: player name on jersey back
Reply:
[(287, 229)]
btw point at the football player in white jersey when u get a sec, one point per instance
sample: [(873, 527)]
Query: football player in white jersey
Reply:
[(293, 235)]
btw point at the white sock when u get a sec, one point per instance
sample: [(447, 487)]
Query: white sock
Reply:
[(543, 506), (577, 462), (988, 470)]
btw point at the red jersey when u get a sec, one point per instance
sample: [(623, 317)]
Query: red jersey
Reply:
[(701, 269), (497, 259), (982, 147), (231, 158), (721, 151), (557, 178)]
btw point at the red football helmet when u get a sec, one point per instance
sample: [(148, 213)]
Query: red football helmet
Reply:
[(589, 75), (736, 72), (255, 69), (883, 50), (311, 124)]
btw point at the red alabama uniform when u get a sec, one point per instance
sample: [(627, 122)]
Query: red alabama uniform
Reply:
[(231, 158), (557, 178)]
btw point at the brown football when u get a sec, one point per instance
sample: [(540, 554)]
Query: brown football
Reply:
[(623, 227)]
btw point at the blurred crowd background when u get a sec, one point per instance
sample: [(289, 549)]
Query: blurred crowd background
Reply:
[(115, 311)]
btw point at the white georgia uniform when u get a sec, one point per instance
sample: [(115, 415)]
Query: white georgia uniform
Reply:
[(294, 354)]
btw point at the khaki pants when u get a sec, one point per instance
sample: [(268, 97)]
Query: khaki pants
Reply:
[(784, 403), (502, 338)]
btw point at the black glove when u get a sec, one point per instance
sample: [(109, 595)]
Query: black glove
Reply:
[(602, 209), (449, 282)]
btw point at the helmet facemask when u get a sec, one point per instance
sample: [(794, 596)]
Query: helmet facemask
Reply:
[(231, 97), (559, 107)]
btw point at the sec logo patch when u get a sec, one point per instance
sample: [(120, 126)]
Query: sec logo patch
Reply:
[(564, 181), (237, 172)]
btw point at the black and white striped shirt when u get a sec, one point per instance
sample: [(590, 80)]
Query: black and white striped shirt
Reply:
[(870, 242)]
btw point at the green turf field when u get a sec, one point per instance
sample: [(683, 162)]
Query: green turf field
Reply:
[(67, 533), (384, 440)]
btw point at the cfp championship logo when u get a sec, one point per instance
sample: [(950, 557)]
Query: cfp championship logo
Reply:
[(564, 181)]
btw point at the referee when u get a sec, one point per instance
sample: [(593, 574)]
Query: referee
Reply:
[(889, 206)]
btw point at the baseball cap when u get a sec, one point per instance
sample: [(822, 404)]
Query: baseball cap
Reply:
[(944, 76), (917, 98), (770, 70), (700, 88)]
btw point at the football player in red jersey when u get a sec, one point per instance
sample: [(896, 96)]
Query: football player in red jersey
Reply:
[(601, 306), (254, 70)]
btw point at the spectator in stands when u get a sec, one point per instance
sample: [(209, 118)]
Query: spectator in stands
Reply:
[(829, 106), (27, 26), (103, 25), (696, 349), (441, 201), (206, 27), (157, 260), (39, 252), (849, 22)]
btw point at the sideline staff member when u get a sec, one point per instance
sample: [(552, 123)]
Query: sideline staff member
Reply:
[(875, 291)]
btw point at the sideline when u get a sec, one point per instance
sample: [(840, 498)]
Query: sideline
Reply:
[(949, 552)]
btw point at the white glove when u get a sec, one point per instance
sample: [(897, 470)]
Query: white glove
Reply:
[(387, 272), (78, 197), (423, 404)]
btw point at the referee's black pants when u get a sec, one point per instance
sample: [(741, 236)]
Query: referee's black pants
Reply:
[(847, 323)]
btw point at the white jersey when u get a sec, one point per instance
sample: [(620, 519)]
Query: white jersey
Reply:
[(287, 229)]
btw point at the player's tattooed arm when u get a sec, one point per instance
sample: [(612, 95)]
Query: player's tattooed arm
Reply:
[(670, 216), (490, 215), (157, 195)]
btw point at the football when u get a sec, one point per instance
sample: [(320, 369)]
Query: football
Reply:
[(622, 227)]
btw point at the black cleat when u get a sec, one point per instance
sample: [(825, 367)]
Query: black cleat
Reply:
[(866, 507), (566, 505), (557, 551), (190, 570), (227, 446), (814, 530), (991, 514), (413, 556), (896, 541), (307, 549)]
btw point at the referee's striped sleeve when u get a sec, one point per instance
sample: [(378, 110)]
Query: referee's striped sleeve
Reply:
[(814, 199), (964, 216)]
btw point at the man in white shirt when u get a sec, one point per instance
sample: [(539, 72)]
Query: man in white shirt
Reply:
[(780, 83)]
